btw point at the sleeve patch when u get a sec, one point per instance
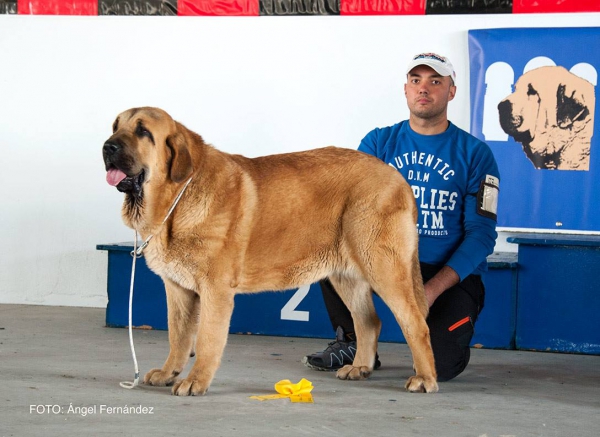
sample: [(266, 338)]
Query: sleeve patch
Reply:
[(487, 197)]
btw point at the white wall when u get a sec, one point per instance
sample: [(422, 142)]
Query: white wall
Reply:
[(250, 85)]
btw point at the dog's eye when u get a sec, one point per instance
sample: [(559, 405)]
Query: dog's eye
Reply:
[(141, 132), (531, 91)]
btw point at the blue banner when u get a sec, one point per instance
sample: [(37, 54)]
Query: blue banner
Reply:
[(533, 102)]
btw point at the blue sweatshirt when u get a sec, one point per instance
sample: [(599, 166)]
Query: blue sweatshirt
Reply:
[(455, 179)]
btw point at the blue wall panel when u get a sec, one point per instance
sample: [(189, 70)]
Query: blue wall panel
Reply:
[(558, 302)]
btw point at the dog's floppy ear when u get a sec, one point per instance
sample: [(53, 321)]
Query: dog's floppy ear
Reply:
[(570, 107), (180, 164)]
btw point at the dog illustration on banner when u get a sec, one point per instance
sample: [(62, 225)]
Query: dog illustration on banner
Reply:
[(550, 112)]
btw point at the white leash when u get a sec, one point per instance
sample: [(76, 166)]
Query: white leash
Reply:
[(136, 378), (140, 249), (135, 254)]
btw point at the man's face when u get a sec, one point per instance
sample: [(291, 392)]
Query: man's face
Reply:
[(427, 93)]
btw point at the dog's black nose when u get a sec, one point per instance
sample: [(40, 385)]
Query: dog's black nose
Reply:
[(505, 108), (507, 121), (110, 148)]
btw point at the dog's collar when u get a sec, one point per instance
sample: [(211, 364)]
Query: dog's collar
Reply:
[(138, 252)]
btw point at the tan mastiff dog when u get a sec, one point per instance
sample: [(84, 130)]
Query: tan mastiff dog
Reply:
[(551, 113), (270, 223)]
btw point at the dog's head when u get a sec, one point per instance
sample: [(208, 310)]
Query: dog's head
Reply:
[(147, 147), (551, 114)]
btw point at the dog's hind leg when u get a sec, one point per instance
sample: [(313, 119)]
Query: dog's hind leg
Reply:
[(216, 309), (183, 309), (402, 291), (357, 295)]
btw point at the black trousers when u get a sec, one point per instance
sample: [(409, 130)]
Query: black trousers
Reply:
[(451, 320)]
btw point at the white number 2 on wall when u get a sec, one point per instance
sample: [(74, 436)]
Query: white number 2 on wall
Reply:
[(289, 312)]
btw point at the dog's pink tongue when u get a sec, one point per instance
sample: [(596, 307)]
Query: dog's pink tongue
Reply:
[(114, 176)]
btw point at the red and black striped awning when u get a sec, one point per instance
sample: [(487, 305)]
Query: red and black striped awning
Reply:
[(292, 7)]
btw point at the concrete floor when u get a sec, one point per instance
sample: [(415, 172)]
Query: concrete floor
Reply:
[(65, 358)]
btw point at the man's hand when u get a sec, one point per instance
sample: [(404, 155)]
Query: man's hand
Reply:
[(442, 281)]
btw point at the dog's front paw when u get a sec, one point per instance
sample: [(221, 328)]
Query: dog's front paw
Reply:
[(190, 387), (353, 373), (160, 378), (421, 384)]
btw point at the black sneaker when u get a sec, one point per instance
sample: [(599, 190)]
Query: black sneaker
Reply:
[(338, 353)]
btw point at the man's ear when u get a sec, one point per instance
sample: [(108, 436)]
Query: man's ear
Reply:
[(180, 165), (452, 92)]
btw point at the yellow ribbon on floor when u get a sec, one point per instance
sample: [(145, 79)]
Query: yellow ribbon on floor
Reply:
[(299, 392)]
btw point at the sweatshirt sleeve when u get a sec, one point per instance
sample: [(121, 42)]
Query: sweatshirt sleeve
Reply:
[(479, 215), (369, 143)]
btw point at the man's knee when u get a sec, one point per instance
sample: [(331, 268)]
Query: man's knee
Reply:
[(449, 369), (452, 356)]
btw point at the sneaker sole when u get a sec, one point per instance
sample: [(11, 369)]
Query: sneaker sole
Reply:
[(330, 369), (321, 369)]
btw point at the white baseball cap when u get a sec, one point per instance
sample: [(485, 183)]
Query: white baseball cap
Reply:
[(439, 63)]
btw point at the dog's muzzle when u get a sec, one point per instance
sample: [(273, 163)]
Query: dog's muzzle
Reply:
[(508, 121), (512, 123), (118, 169)]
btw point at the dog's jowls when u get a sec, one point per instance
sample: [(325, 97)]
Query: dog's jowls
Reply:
[(270, 223)]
